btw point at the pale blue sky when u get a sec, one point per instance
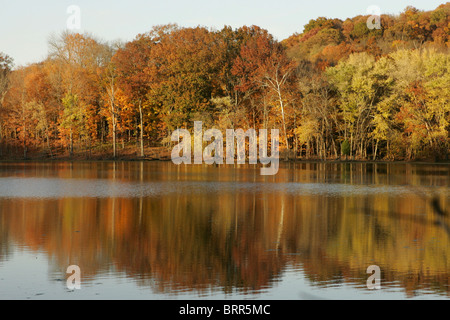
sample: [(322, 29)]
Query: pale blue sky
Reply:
[(26, 25)]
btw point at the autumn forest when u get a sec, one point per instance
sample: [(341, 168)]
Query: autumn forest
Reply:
[(337, 90)]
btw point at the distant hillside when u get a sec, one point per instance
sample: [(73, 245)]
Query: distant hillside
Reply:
[(325, 41)]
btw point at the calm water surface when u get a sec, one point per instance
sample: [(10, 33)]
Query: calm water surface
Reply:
[(153, 230)]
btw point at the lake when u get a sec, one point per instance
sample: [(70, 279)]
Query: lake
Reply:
[(154, 230)]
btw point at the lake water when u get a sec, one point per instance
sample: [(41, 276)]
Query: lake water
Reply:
[(153, 230)]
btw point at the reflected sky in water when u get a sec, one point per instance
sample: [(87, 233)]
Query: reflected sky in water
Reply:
[(56, 188)]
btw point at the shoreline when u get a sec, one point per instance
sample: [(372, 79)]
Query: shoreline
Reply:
[(293, 161)]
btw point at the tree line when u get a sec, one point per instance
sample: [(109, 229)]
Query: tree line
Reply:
[(336, 90)]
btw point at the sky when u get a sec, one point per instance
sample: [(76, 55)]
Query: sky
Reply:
[(26, 25)]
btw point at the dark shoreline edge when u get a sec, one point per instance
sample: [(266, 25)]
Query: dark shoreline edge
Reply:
[(125, 159)]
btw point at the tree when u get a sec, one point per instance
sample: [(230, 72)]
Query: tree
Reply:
[(319, 121), (345, 148), (384, 91), (131, 63), (108, 80), (264, 64), (354, 81), (6, 64), (78, 58), (422, 87), (182, 72), (18, 119), (41, 103)]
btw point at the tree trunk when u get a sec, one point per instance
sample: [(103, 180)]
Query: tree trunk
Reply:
[(142, 129), (48, 141), (114, 137), (334, 147), (376, 150), (351, 145), (71, 142), (111, 93), (284, 122), (24, 139), (90, 147)]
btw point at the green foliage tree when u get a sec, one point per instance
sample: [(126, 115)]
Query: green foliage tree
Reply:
[(345, 148)]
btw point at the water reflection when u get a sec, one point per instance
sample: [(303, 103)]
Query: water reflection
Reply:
[(228, 229)]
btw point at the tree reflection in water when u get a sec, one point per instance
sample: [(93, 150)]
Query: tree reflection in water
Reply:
[(193, 240)]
